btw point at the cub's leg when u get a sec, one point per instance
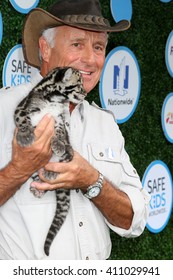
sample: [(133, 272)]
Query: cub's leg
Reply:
[(62, 150)]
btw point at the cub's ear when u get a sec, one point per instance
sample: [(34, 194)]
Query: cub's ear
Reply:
[(67, 75)]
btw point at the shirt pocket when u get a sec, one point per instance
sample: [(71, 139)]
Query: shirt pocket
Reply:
[(107, 160)]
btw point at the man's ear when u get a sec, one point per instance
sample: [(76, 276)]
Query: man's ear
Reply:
[(44, 49)]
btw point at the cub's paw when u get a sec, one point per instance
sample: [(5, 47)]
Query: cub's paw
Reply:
[(25, 138), (37, 193), (58, 147), (68, 155)]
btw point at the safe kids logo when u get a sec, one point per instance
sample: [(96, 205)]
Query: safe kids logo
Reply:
[(16, 71), (1, 28), (120, 83), (169, 54), (22, 6), (167, 117), (157, 181)]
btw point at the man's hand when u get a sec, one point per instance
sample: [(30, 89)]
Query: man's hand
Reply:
[(79, 174), (75, 174), (26, 160)]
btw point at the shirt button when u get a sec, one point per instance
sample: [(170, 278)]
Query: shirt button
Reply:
[(87, 258), (77, 190), (80, 224), (101, 154)]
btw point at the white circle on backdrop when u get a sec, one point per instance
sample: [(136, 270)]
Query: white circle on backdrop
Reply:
[(169, 53), (22, 6), (15, 70), (167, 117), (120, 83), (157, 181)]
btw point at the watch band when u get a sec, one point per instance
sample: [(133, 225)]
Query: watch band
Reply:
[(94, 190)]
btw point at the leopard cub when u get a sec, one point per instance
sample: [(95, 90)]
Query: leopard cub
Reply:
[(53, 95)]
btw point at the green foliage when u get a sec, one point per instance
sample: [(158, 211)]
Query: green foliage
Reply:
[(152, 22)]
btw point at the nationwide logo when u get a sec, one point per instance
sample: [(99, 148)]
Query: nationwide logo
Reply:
[(121, 78), (120, 83), (16, 71), (24, 7)]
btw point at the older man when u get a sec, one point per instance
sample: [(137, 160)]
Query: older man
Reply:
[(106, 192)]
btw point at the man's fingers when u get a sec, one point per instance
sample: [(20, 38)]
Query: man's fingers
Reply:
[(45, 127)]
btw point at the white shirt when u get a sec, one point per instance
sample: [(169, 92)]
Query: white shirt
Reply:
[(25, 219)]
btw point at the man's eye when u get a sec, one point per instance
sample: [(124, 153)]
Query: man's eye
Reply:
[(76, 44), (99, 48)]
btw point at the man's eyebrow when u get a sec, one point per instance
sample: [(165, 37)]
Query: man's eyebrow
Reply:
[(98, 41), (78, 39), (101, 42)]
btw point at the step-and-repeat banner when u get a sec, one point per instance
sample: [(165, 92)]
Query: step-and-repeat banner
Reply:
[(119, 90)]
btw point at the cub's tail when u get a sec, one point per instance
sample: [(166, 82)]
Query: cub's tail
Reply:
[(62, 207)]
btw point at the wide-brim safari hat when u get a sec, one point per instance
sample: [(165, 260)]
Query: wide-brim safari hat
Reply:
[(83, 14)]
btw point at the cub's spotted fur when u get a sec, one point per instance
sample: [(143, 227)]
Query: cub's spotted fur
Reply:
[(51, 95)]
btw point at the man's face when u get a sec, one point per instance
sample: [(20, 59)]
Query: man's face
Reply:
[(83, 50)]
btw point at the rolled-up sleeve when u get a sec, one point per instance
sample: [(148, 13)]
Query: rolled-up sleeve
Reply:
[(140, 200), (139, 197)]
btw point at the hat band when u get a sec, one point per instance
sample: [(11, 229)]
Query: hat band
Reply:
[(85, 19)]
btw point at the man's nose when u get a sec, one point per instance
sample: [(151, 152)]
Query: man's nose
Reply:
[(88, 55)]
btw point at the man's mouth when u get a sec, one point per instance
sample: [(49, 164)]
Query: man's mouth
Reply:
[(85, 72)]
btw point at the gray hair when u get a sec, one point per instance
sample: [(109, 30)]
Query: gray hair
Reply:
[(49, 35)]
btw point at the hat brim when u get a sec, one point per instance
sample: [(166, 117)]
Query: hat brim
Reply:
[(38, 20)]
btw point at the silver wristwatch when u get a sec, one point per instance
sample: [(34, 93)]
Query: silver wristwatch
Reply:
[(95, 189)]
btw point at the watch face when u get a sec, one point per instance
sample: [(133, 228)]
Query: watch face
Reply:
[(93, 192)]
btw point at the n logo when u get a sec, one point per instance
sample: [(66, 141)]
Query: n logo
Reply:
[(121, 78)]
